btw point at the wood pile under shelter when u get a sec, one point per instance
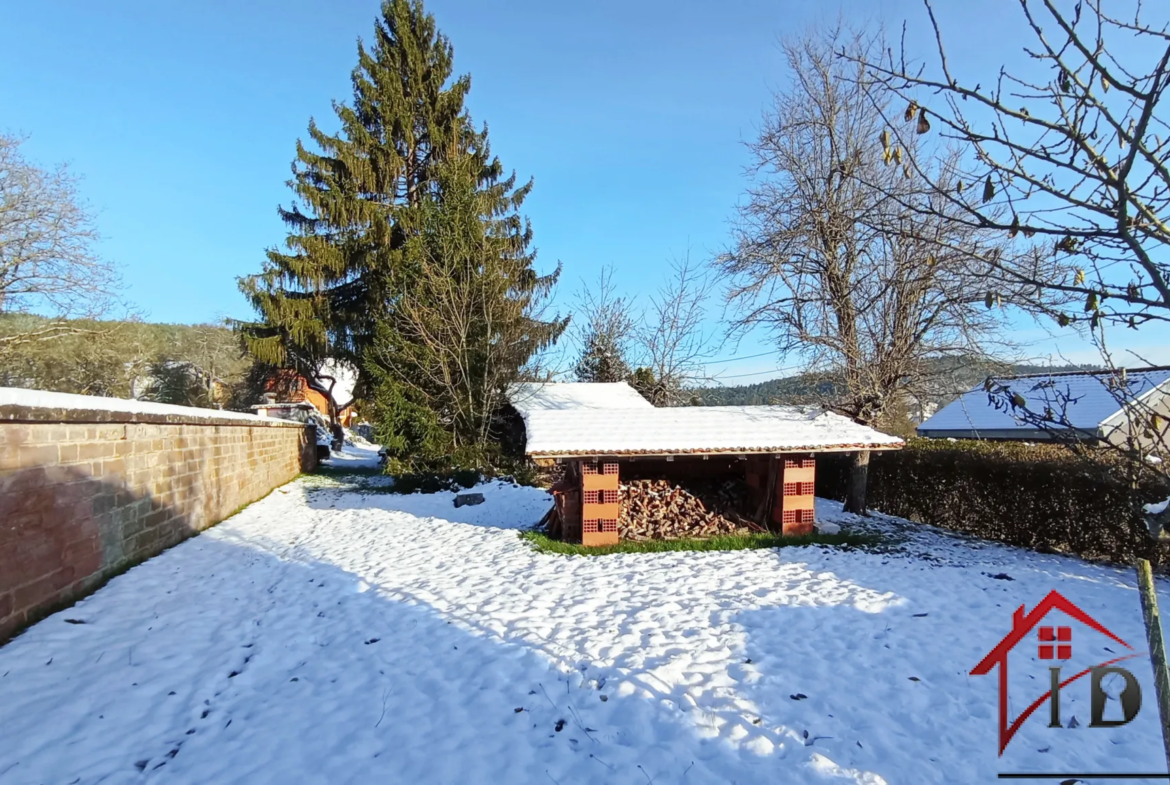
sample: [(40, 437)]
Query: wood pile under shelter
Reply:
[(636, 471), (657, 509)]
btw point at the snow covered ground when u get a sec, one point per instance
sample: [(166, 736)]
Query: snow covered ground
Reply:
[(324, 635), (356, 453)]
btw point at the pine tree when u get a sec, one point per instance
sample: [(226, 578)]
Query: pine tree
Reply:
[(606, 328), (468, 322), (601, 360), (358, 199), (406, 255)]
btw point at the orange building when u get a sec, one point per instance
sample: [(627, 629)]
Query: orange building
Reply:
[(291, 387)]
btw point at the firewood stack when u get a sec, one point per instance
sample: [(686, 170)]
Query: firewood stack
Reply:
[(661, 509)]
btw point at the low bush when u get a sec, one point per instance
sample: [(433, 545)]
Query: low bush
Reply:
[(433, 482), (1041, 496)]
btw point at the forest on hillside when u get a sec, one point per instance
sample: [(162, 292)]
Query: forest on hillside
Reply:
[(812, 388), (195, 365)]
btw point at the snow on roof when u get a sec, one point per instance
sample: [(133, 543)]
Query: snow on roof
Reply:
[(43, 399), (345, 379), (694, 429), (533, 396), (1090, 401)]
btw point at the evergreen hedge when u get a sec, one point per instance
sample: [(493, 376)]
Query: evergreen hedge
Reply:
[(1039, 496)]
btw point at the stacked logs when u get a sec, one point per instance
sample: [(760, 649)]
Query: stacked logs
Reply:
[(661, 509)]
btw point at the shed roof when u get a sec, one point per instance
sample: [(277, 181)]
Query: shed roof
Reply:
[(532, 396), (1087, 399), (694, 430)]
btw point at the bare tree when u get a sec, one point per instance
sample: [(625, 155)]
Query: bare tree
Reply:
[(1068, 149), (1072, 150), (674, 339), (47, 261), (867, 288), (606, 333)]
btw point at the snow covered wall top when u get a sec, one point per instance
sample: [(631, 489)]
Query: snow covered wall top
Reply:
[(696, 430), (1085, 398), (529, 396), (18, 404)]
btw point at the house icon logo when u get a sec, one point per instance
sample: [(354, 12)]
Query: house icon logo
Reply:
[(1054, 643)]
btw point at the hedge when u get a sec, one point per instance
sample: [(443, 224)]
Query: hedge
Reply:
[(1040, 496)]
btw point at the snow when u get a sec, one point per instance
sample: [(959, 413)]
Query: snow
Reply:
[(694, 429), (1090, 401), (345, 379), (43, 399), (326, 635), (828, 527), (1157, 508), (356, 453), (530, 396)]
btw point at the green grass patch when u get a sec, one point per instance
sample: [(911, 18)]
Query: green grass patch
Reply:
[(727, 542)]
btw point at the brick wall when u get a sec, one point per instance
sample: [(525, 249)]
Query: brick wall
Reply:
[(81, 500)]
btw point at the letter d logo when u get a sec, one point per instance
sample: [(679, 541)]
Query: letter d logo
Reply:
[(1130, 697)]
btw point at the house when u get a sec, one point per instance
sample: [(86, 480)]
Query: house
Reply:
[(600, 432), (292, 387), (1091, 406)]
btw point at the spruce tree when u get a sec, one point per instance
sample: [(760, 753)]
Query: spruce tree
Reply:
[(467, 324), (401, 216), (602, 360), (358, 195)]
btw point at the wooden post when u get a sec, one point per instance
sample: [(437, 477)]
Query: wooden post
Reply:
[(1153, 622), (764, 514)]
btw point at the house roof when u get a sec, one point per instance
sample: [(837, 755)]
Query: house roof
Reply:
[(695, 430), (1086, 399), (533, 396)]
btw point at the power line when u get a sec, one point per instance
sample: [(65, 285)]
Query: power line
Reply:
[(737, 359), (758, 373)]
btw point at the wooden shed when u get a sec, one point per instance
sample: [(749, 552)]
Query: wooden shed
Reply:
[(600, 431)]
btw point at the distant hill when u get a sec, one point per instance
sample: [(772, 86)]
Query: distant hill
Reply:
[(189, 364), (815, 388)]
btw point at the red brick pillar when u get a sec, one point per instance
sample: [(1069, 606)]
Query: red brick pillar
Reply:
[(600, 503), (795, 508)]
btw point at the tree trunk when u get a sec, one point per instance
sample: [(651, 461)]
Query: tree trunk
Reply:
[(858, 478)]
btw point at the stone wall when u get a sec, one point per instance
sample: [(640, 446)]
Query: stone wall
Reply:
[(86, 493)]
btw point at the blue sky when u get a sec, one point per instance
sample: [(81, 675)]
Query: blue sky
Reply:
[(629, 115)]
